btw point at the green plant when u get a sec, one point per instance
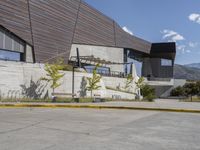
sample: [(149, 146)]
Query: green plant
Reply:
[(189, 90), (93, 81), (129, 81), (53, 74), (140, 83), (179, 91), (148, 92), (67, 67)]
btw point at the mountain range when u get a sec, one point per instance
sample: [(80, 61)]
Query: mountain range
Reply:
[(193, 65), (189, 71)]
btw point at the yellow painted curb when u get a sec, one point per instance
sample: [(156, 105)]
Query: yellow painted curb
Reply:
[(95, 107)]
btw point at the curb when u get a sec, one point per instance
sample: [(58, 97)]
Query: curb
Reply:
[(97, 107)]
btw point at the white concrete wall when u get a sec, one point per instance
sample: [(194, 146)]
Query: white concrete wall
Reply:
[(160, 83), (18, 79), (107, 53), (179, 82)]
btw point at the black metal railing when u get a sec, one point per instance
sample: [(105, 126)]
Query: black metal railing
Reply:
[(109, 73), (158, 79)]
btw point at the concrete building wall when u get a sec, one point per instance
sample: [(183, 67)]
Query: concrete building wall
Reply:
[(29, 54), (18, 80), (107, 53)]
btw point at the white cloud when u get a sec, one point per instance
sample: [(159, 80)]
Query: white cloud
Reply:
[(193, 44), (194, 17), (181, 48), (127, 30), (188, 51), (172, 36)]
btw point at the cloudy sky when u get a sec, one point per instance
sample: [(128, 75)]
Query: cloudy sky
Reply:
[(159, 21)]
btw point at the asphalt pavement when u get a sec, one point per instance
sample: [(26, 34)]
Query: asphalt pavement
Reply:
[(97, 129)]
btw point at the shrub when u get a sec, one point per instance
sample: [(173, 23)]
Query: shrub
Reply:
[(67, 67), (179, 91), (189, 89), (148, 92)]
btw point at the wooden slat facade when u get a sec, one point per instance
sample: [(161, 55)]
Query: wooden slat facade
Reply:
[(14, 16), (93, 27), (52, 26), (53, 23), (126, 40)]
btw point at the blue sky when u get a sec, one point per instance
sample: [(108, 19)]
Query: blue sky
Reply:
[(159, 21)]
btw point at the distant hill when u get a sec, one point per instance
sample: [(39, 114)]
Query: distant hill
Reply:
[(193, 65), (186, 72)]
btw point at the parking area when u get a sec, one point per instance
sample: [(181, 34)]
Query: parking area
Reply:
[(97, 129)]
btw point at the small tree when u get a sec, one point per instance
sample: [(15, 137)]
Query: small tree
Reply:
[(191, 89), (93, 81), (179, 91), (129, 81), (53, 74), (139, 84)]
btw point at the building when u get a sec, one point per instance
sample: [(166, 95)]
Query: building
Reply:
[(40, 31)]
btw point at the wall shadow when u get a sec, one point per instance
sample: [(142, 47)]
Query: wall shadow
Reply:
[(83, 91), (35, 90)]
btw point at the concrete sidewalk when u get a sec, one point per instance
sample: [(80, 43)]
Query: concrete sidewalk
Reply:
[(158, 105)]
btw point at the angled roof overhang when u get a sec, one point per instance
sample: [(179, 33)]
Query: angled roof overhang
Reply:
[(163, 50)]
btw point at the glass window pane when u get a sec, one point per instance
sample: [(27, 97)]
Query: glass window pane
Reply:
[(22, 47), (100, 70), (166, 62), (11, 42), (133, 58), (1, 39), (8, 42), (16, 46), (8, 55)]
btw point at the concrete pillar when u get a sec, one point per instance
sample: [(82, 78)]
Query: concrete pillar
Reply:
[(29, 54)]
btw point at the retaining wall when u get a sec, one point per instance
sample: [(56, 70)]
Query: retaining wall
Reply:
[(18, 79)]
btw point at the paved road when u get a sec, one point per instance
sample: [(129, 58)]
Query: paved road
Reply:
[(93, 129)]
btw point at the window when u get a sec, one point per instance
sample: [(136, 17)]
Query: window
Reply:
[(132, 57), (11, 47), (100, 70), (166, 62), (9, 55)]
